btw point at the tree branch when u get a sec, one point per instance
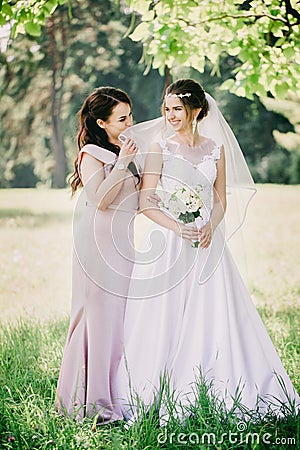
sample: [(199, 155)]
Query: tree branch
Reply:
[(244, 16), (292, 11)]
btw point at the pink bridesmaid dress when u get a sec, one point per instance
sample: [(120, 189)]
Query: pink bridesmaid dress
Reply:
[(102, 265)]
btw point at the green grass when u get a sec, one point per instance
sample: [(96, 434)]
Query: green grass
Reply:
[(30, 359), (35, 286)]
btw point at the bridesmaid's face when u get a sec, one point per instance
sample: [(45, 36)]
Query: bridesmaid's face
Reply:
[(175, 114), (119, 120)]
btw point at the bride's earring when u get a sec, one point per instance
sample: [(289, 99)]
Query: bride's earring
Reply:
[(194, 125)]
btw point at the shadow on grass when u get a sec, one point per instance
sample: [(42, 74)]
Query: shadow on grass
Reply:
[(13, 217)]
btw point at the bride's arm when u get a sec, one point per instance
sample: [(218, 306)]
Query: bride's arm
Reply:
[(151, 176), (219, 203), (219, 200)]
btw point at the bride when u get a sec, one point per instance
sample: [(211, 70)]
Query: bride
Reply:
[(189, 316)]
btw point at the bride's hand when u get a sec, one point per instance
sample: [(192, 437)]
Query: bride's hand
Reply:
[(189, 233), (206, 234)]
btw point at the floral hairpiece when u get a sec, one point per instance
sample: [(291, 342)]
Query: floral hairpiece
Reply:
[(187, 94)]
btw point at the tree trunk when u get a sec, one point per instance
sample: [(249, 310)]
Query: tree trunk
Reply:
[(58, 146), (168, 78), (57, 139)]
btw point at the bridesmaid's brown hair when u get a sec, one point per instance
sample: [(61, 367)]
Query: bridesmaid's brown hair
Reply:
[(98, 105)]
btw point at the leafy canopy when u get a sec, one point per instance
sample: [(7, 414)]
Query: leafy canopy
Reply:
[(27, 16), (261, 37)]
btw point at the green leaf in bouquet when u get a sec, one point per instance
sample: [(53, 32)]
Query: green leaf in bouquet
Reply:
[(186, 217), (197, 213)]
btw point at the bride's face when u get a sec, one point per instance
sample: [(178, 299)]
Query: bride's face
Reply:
[(176, 114)]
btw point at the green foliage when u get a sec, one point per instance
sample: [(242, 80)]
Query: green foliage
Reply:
[(69, 58), (27, 17), (289, 108), (290, 140), (24, 176), (262, 37)]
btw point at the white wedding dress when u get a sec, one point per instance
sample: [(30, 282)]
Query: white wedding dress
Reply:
[(189, 312)]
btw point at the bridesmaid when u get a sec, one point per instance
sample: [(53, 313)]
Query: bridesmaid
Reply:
[(103, 257)]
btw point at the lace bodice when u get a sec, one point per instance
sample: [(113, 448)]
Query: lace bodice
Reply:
[(185, 166)]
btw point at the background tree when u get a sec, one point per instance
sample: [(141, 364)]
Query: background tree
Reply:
[(27, 16), (45, 79), (289, 108), (253, 46), (262, 36)]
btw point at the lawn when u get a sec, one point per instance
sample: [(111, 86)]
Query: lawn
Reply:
[(35, 295)]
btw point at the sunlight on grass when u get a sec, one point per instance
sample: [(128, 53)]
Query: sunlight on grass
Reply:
[(36, 249), (35, 276), (273, 250)]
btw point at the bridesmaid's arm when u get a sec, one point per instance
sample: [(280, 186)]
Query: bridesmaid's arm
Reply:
[(151, 176), (99, 189)]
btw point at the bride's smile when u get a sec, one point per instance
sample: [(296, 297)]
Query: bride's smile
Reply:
[(176, 114)]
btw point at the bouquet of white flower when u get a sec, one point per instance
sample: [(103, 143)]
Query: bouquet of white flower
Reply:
[(185, 204)]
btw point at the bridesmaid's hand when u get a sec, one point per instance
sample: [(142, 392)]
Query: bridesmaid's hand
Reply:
[(206, 234), (128, 151)]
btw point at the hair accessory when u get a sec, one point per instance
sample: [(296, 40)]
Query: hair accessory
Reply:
[(187, 94)]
